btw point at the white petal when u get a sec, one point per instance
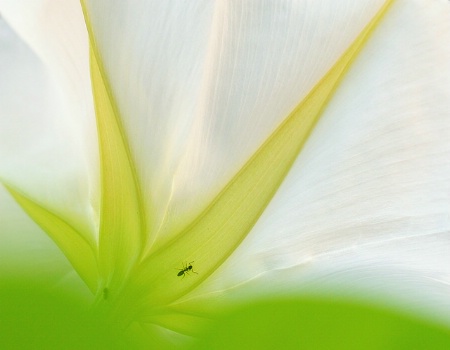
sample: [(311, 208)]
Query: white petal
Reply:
[(48, 141), (203, 83), (369, 197)]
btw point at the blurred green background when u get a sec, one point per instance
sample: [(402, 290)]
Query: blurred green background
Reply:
[(33, 316)]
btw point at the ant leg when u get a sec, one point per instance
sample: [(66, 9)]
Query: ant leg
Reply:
[(192, 267)]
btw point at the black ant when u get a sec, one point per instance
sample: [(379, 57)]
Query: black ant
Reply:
[(186, 269)]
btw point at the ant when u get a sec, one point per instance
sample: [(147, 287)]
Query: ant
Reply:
[(186, 269)]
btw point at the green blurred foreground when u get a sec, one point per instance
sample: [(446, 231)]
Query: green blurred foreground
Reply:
[(313, 323), (33, 317)]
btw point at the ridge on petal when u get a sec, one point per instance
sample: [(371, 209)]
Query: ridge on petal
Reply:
[(216, 232), (80, 251)]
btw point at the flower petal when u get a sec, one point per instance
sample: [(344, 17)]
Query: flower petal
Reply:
[(216, 233), (122, 216), (81, 252), (368, 198), (24, 248), (48, 141), (202, 84)]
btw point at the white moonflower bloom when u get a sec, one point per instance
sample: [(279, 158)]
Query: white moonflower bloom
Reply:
[(184, 155)]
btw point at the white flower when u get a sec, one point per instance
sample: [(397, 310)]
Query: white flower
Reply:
[(199, 87)]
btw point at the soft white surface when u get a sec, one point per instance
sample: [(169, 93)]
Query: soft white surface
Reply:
[(368, 201), (203, 83), (48, 145)]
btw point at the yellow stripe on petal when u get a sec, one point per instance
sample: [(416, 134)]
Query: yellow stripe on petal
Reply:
[(121, 236), (80, 252), (210, 239), (122, 216)]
